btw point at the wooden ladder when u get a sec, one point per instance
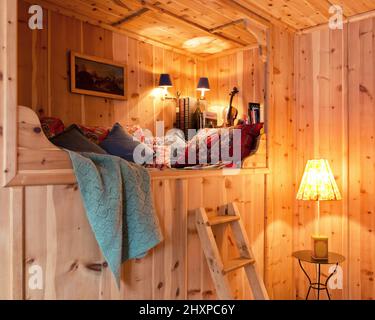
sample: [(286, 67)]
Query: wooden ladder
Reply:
[(228, 214)]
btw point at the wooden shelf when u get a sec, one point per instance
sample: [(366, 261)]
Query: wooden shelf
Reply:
[(186, 174)]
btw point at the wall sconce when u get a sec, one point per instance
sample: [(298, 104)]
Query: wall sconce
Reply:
[(165, 82), (203, 86)]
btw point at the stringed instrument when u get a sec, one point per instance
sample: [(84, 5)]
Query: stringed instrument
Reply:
[(232, 112)]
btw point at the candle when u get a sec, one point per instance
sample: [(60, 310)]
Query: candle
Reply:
[(320, 247)]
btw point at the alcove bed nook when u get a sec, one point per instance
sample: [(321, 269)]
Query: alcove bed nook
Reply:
[(41, 175), (279, 72)]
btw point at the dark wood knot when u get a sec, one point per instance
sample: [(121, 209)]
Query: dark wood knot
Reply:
[(97, 267)]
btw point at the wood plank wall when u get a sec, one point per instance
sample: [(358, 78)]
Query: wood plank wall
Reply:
[(10, 266), (59, 239), (43, 73), (321, 116), (335, 120), (328, 113), (280, 187), (244, 70)]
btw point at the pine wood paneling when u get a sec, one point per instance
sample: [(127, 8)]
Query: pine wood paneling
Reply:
[(361, 158), (58, 238), (335, 111), (246, 71), (321, 121), (196, 17), (66, 36), (97, 42), (44, 73), (280, 188)]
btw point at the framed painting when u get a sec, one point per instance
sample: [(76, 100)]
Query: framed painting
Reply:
[(98, 77)]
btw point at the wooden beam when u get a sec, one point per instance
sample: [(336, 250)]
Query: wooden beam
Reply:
[(197, 26), (229, 24), (259, 33), (130, 17)]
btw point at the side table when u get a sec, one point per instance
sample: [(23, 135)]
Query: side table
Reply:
[(306, 256)]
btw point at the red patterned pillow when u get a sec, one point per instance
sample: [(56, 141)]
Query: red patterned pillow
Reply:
[(210, 141), (52, 126), (249, 134), (202, 142), (95, 134)]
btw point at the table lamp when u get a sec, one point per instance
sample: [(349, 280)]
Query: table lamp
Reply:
[(165, 82), (318, 184), (203, 86)]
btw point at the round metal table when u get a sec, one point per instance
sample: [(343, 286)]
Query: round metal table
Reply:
[(306, 256)]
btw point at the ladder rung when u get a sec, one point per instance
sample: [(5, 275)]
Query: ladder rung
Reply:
[(213, 221), (235, 264)]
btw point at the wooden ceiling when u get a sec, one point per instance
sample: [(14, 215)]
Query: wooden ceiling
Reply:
[(205, 27)]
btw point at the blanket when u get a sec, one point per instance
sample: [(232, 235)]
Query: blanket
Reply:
[(118, 202)]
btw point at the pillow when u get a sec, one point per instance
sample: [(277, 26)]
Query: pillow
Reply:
[(249, 135), (122, 144), (95, 134), (203, 142), (209, 141), (74, 140), (52, 126)]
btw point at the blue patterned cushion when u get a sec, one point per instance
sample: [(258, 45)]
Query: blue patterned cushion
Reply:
[(121, 144)]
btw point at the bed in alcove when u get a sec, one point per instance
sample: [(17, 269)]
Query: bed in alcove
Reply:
[(53, 212), (287, 73)]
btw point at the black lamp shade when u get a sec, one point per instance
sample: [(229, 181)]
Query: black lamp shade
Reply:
[(203, 84), (165, 80)]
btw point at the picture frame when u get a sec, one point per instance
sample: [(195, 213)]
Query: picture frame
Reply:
[(98, 77)]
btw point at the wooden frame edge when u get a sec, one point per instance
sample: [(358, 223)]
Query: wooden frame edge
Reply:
[(33, 140), (9, 28)]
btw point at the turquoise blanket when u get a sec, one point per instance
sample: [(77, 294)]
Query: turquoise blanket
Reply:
[(118, 202)]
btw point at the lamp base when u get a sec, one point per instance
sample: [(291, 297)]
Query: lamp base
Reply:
[(320, 247)]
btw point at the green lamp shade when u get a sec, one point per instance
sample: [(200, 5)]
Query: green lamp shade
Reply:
[(165, 80), (203, 84)]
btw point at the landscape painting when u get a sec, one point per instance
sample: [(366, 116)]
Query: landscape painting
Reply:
[(98, 77)]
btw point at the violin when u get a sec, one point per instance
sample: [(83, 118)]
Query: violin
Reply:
[(232, 112)]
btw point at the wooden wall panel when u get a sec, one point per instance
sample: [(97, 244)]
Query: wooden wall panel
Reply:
[(361, 159), (97, 42), (64, 105), (44, 73), (322, 133), (280, 187), (58, 238), (5, 230), (335, 112), (242, 69)]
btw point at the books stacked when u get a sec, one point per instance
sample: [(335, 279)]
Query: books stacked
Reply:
[(183, 117), (254, 113)]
